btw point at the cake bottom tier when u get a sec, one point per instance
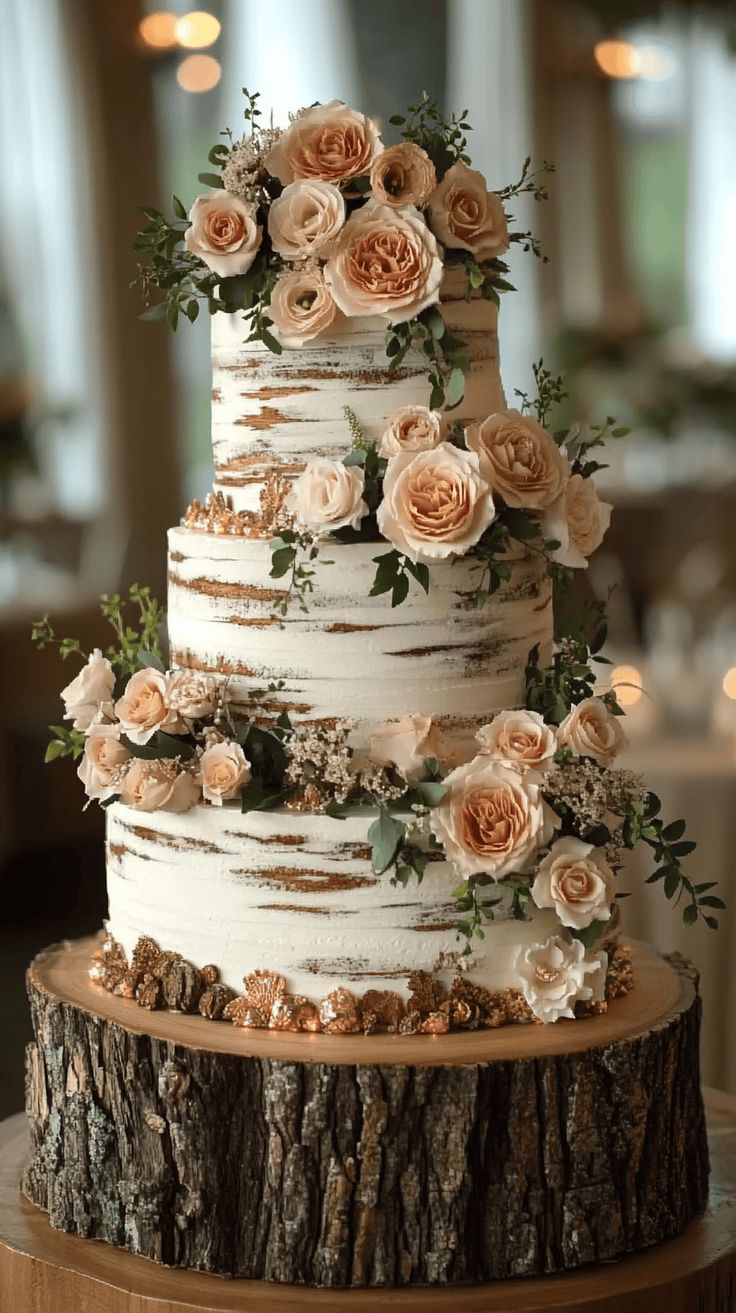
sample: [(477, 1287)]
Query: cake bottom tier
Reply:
[(366, 1161)]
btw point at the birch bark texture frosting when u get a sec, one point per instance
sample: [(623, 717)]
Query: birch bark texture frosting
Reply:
[(352, 655), (282, 410)]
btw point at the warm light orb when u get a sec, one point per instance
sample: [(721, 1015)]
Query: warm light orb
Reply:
[(729, 683), (198, 73), (626, 680), (158, 30), (618, 59), (197, 30)]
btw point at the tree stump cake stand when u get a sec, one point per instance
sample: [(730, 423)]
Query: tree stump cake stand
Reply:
[(311, 1161)]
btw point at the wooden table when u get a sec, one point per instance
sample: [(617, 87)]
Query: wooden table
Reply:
[(47, 1271)]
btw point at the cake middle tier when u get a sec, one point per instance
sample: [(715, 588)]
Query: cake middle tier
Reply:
[(353, 655)]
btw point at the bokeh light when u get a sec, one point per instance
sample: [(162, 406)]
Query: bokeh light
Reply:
[(197, 30), (158, 31), (618, 59), (627, 682), (729, 683), (198, 73)]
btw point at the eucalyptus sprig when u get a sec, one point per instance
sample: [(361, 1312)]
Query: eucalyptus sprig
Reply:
[(475, 909), (294, 553), (643, 822), (444, 139), (139, 638), (550, 392), (445, 353)]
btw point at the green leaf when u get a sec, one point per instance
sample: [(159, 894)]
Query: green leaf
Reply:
[(671, 883), (179, 210), (385, 836), (455, 390), (431, 792), (54, 750), (271, 342), (400, 589), (150, 659), (690, 914), (159, 746), (211, 179), (435, 323), (281, 562), (258, 797), (674, 830)]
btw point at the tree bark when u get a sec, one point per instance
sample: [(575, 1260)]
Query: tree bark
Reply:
[(337, 1173)]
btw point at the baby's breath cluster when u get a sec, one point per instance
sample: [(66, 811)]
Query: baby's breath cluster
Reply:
[(320, 757)]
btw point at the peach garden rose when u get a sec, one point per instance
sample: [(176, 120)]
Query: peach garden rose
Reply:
[(435, 503), (305, 219), (464, 213), (576, 881), (328, 496), (384, 262), (406, 744), (492, 819), (526, 467), (143, 708), (224, 769), (412, 428), (578, 520), (159, 785), (301, 307), (330, 142), (89, 692), (591, 730), (403, 175), (190, 695), (520, 737), (102, 763), (224, 233)]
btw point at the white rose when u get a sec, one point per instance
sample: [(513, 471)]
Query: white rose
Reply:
[(328, 496), (412, 428), (576, 880), (103, 762), (520, 737), (493, 818), (159, 785), (464, 213), (225, 769), (224, 234), (578, 520), (305, 219), (436, 503), (301, 307), (384, 262), (406, 744), (330, 142), (143, 708), (89, 692), (192, 696), (526, 467), (557, 974), (591, 730)]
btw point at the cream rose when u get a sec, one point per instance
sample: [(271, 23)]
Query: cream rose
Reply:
[(224, 234), (464, 213), (526, 466), (159, 785), (576, 880), (225, 769), (330, 142), (384, 262), (103, 762), (493, 818), (191, 696), (413, 428), (578, 521), (435, 503), (405, 744), (520, 737), (143, 707), (403, 175), (557, 974), (328, 496), (306, 218), (301, 307), (592, 730), (89, 692)]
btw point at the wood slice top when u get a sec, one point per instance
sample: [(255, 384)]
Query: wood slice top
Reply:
[(46, 1271), (660, 992)]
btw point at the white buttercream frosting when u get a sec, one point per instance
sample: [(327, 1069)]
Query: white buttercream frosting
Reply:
[(294, 893)]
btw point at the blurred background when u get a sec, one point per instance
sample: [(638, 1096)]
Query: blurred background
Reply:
[(104, 421)]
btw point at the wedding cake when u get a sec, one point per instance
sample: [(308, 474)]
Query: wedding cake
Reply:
[(367, 790)]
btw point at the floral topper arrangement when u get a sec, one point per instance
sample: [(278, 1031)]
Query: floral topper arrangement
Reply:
[(320, 220)]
